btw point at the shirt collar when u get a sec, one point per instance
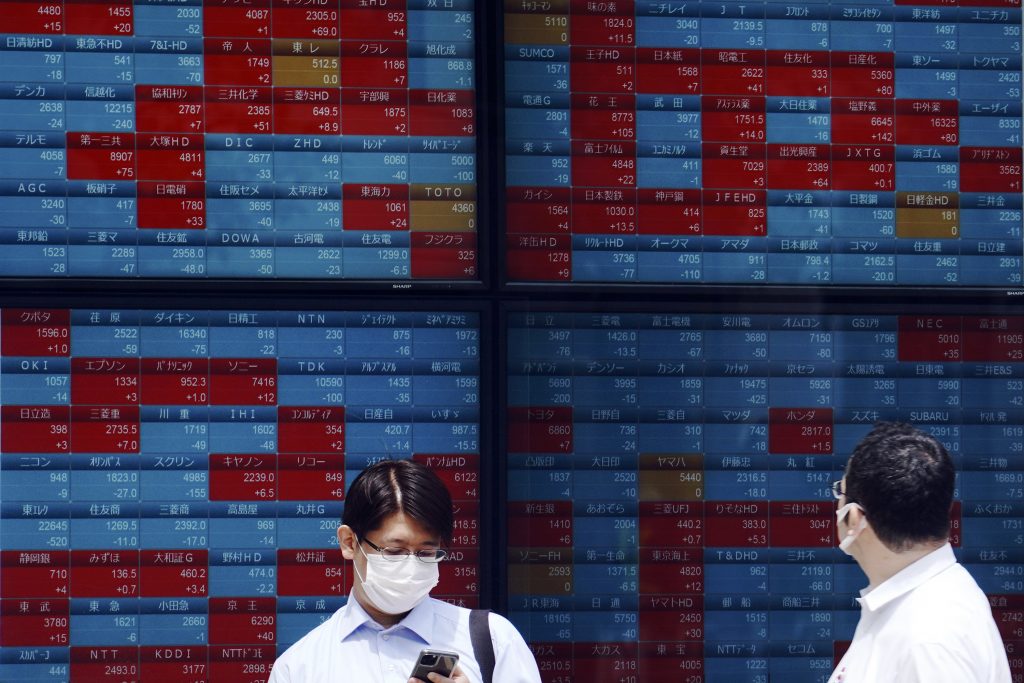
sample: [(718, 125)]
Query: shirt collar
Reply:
[(420, 620), (908, 578)]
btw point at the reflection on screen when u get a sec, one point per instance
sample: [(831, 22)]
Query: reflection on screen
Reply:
[(670, 516)]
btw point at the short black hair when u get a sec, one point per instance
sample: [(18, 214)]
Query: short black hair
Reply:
[(391, 486), (904, 479)]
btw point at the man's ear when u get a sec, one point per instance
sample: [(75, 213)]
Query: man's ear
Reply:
[(347, 541)]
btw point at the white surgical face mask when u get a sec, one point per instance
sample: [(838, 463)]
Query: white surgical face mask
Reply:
[(848, 539), (396, 586)]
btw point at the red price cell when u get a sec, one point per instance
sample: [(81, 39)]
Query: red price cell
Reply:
[(101, 156), (797, 73), (993, 339), (956, 523), (105, 664), (34, 17), (35, 332), (991, 169), (540, 429), (735, 212), (170, 156), (374, 112), (671, 570), (183, 663), (115, 18), (243, 477), (105, 573), (311, 476), (243, 381), (553, 656), (604, 117), (160, 108), (175, 381), (733, 72), (733, 119), (312, 572), (35, 429), (459, 471), (241, 61), (863, 74), (359, 22), (442, 112), (603, 164), (662, 662), (737, 524), (863, 121), (448, 255), (172, 205), (806, 431), (799, 167), (539, 257), (35, 622), (539, 524), (609, 23), (374, 65), (592, 661), (734, 165), (605, 211), (861, 167), (307, 111), (230, 20), (672, 524), (466, 533), (239, 110), (603, 69), (104, 381), (105, 429), (927, 122), (803, 524), (305, 19), (930, 339), (243, 664), (375, 207), (538, 210), (668, 70), (669, 212), (174, 573), (313, 429), (460, 573), (672, 617), (1008, 611), (34, 573), (243, 620)]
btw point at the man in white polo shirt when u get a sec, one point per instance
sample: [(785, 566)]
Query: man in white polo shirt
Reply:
[(923, 618)]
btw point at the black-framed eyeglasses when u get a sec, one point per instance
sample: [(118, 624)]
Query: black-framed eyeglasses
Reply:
[(430, 556), (838, 490)]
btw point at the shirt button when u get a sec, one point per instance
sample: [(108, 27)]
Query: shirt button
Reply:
[(385, 637)]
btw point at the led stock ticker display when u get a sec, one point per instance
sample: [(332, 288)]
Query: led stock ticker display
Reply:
[(322, 139), (669, 511), (172, 480), (874, 143)]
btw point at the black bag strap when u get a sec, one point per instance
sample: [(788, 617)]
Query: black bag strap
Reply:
[(480, 635)]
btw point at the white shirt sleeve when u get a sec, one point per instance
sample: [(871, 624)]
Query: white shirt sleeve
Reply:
[(936, 663)]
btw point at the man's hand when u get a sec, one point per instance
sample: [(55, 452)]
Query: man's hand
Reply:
[(457, 677)]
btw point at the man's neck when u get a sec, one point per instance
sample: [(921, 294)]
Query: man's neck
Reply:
[(885, 563)]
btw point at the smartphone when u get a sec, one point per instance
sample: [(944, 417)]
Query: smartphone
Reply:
[(441, 661)]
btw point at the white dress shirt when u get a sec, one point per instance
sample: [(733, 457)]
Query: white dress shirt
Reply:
[(351, 646), (929, 622)]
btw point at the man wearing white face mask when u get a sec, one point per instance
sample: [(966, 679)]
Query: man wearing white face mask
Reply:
[(923, 617), (397, 517)]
